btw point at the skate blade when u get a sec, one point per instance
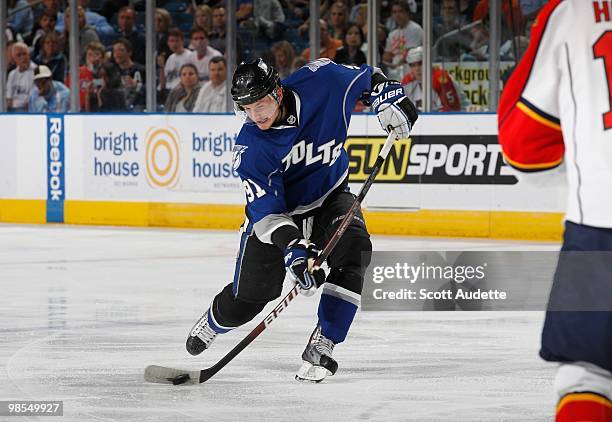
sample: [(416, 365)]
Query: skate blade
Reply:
[(311, 373), (163, 375)]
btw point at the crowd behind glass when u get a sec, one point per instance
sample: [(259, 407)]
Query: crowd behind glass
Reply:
[(191, 68)]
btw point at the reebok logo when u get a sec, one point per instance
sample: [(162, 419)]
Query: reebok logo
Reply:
[(55, 150)]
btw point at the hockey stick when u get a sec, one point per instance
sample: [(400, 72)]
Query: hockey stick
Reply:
[(163, 375)]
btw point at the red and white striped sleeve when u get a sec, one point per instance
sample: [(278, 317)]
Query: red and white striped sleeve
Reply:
[(528, 116)]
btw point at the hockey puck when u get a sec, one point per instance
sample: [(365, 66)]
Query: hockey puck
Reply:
[(179, 379)]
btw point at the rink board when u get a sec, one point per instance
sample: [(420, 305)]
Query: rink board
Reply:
[(176, 170)]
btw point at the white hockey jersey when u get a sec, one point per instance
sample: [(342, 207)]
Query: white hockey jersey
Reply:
[(558, 105)]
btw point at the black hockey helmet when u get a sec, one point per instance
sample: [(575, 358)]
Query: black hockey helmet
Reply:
[(252, 81)]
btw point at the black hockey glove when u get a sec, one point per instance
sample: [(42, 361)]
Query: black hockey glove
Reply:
[(299, 260), (395, 111)]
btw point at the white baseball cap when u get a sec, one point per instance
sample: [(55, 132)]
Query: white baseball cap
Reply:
[(42, 72), (415, 55)]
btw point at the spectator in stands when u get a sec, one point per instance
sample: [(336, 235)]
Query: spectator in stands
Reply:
[(217, 36), (530, 8), (87, 34), (23, 19), (324, 6), (213, 96), (111, 7), (8, 57), (46, 24), (21, 79), (12, 35), (244, 11), (391, 22), (361, 19), (361, 16), (127, 29), (52, 57), (350, 52), (466, 9), (298, 62), (407, 35), (283, 58), (329, 45), (203, 17), (202, 51), (163, 23), (48, 96), (298, 8), (479, 46), (110, 95), (183, 97), (11, 38), (451, 46), (104, 30), (513, 21), (89, 81), (169, 78), (132, 75), (338, 20), (269, 18), (52, 6), (447, 95)]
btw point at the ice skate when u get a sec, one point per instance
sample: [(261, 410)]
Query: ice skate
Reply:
[(200, 337), (317, 361)]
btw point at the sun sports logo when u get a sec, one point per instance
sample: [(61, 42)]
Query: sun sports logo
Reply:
[(431, 159)]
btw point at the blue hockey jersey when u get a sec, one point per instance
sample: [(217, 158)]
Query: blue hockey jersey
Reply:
[(289, 170)]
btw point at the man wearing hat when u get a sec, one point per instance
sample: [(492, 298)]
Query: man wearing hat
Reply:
[(48, 96), (447, 95)]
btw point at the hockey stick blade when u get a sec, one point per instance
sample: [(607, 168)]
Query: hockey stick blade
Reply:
[(163, 375)]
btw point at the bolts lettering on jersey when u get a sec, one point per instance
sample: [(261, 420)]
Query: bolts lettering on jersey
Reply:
[(326, 153)]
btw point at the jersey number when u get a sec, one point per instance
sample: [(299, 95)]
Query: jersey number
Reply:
[(602, 49), (258, 193)]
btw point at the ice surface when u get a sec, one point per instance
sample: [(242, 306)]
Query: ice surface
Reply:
[(84, 310)]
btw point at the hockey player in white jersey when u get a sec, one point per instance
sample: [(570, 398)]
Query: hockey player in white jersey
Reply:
[(290, 157), (556, 107)]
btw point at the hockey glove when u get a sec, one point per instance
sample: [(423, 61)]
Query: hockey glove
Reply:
[(395, 111), (299, 260)]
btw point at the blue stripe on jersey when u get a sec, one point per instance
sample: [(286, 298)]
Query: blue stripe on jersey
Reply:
[(246, 233), (335, 317)]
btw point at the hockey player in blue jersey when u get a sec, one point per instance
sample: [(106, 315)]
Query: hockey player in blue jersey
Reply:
[(294, 169)]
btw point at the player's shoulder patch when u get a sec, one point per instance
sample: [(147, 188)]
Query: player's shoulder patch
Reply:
[(237, 155), (317, 64)]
